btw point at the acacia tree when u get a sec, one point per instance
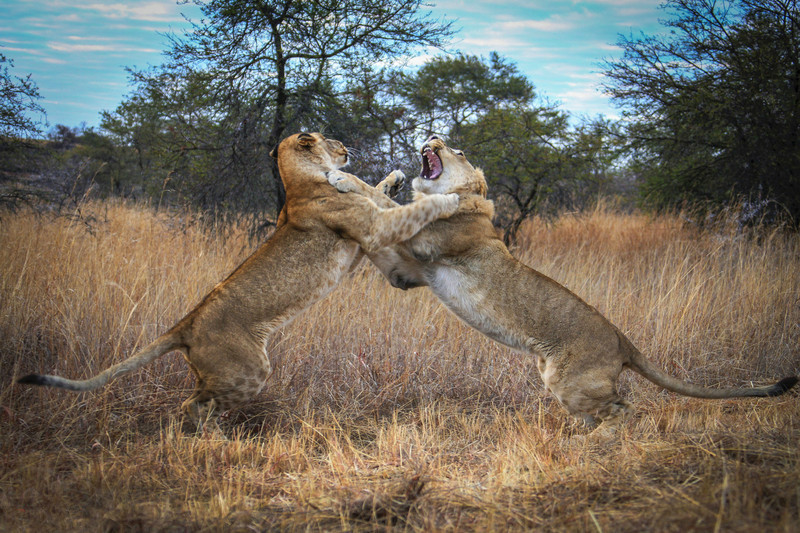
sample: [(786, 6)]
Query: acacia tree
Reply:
[(277, 60), (714, 105), (534, 159), (19, 105), (190, 147), (449, 92), (19, 96), (393, 110), (531, 154)]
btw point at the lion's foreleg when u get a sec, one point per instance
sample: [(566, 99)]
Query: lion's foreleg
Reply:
[(380, 194)]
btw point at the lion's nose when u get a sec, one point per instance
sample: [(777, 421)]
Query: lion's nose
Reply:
[(433, 138)]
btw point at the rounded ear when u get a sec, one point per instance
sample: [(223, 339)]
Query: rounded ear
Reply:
[(306, 139), (274, 152)]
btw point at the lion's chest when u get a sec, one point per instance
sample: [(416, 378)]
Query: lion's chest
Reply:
[(472, 300), (341, 259), (452, 286), (462, 294)]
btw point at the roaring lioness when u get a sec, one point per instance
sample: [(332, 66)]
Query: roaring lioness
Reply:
[(318, 240), (579, 353)]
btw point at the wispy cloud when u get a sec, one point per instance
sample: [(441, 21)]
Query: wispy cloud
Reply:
[(581, 78), (150, 11), (552, 24), (639, 4), (68, 17), (634, 9), (492, 42), (113, 47), (31, 51), (607, 47)]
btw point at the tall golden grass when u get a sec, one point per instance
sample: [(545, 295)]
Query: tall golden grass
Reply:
[(383, 411)]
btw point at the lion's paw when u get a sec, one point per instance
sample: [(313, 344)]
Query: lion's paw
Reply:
[(401, 282), (450, 201), (341, 180), (392, 183)]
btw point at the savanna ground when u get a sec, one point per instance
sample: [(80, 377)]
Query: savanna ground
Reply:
[(383, 411)]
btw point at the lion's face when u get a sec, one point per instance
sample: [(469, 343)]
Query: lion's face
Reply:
[(445, 170), (311, 150)]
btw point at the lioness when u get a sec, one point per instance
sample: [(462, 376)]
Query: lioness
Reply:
[(319, 239), (579, 353)]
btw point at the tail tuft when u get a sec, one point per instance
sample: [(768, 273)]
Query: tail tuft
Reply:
[(33, 379), (783, 386)]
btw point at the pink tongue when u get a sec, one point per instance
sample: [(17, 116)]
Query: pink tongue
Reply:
[(435, 165)]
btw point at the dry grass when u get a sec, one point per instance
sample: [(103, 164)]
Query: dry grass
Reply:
[(386, 413)]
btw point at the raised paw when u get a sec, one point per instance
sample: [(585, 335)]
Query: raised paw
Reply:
[(392, 183), (450, 202), (401, 282), (341, 180)]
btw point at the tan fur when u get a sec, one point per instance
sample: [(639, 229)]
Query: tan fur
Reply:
[(317, 242), (579, 353)]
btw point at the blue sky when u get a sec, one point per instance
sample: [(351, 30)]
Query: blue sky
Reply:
[(77, 51)]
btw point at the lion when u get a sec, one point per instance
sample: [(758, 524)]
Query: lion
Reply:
[(319, 238), (580, 354)]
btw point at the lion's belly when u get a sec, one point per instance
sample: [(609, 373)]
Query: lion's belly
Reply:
[(309, 279), (338, 263), (472, 302)]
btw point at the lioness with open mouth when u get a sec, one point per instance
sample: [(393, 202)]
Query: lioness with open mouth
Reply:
[(579, 353), (319, 239)]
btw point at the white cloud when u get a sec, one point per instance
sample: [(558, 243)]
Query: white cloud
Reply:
[(607, 47), (30, 51), (71, 48), (583, 78), (585, 100), (417, 61), (150, 11), (489, 42), (68, 17), (554, 23), (639, 4)]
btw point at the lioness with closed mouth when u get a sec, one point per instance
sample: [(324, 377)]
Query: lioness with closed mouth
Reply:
[(579, 353), (318, 240)]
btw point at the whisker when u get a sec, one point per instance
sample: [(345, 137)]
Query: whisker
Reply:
[(353, 153)]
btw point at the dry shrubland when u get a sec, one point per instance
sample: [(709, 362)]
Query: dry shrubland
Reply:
[(384, 412)]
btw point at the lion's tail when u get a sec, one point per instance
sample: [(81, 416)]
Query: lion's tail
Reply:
[(642, 365), (164, 344)]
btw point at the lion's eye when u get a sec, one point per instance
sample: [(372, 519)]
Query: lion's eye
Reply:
[(459, 153)]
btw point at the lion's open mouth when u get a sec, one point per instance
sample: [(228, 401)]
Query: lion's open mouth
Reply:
[(431, 164)]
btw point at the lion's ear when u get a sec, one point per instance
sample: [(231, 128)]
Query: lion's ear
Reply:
[(274, 152), (306, 139)]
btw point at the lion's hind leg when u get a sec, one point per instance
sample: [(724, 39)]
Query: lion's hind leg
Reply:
[(614, 413), (589, 395), (215, 397), (603, 413), (235, 377), (201, 409)]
